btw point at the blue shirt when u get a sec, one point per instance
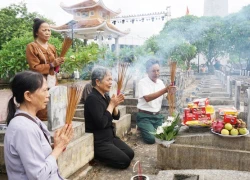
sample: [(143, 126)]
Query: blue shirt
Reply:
[(27, 151)]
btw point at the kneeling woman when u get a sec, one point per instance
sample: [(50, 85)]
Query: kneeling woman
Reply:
[(99, 111)]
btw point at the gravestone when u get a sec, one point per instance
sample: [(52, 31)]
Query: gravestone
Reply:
[(5, 95), (57, 107)]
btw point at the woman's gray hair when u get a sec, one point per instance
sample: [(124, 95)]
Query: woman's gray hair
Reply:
[(98, 73)]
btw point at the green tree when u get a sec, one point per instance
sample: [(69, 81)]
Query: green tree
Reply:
[(151, 44), (14, 22), (237, 36), (184, 53), (13, 56)]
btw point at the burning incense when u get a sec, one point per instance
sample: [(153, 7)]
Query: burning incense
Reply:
[(122, 70), (65, 47), (74, 96), (171, 93)]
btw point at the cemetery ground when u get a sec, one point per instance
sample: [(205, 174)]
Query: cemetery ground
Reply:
[(145, 153)]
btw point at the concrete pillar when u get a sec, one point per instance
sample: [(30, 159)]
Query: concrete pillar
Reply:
[(117, 46), (248, 108), (237, 95), (231, 89), (223, 78), (248, 73), (228, 84), (134, 87)]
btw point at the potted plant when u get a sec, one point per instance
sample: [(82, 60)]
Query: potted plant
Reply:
[(166, 133)]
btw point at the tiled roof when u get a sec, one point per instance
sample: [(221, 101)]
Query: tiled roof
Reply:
[(83, 4), (90, 23)]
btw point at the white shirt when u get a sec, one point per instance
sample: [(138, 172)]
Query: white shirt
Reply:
[(27, 152), (145, 87)]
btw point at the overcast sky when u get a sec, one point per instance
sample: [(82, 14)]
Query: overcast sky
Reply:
[(52, 10)]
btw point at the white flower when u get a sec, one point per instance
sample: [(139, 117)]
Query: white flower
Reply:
[(170, 119), (159, 130), (166, 124), (72, 57)]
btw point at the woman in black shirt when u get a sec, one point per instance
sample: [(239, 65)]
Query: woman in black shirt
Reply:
[(99, 111)]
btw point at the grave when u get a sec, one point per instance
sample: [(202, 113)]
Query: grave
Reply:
[(203, 150), (81, 148)]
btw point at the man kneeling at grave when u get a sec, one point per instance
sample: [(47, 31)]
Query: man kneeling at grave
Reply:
[(150, 96)]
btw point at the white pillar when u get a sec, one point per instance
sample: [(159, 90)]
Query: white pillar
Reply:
[(117, 46)]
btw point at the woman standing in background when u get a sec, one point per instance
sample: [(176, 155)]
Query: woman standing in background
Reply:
[(42, 56)]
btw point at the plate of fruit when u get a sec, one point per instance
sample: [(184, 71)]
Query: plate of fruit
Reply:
[(230, 130)]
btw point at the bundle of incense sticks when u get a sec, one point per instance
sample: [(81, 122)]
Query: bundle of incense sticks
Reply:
[(65, 47), (122, 70), (74, 95), (171, 93)]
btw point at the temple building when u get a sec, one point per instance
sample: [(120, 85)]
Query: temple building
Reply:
[(91, 20)]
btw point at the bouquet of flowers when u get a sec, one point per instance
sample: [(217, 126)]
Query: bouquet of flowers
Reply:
[(169, 129)]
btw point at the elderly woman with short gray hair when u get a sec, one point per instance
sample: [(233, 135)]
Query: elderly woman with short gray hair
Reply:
[(99, 111)]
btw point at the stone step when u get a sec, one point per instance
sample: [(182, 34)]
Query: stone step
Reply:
[(122, 126), (79, 113), (201, 157), (79, 119), (210, 86), (78, 154), (216, 102), (216, 83), (220, 89), (213, 174), (214, 94)]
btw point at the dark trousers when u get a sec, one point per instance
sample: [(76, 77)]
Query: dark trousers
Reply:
[(148, 124), (116, 153)]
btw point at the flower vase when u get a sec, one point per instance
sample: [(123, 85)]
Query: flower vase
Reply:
[(164, 142), (167, 143)]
